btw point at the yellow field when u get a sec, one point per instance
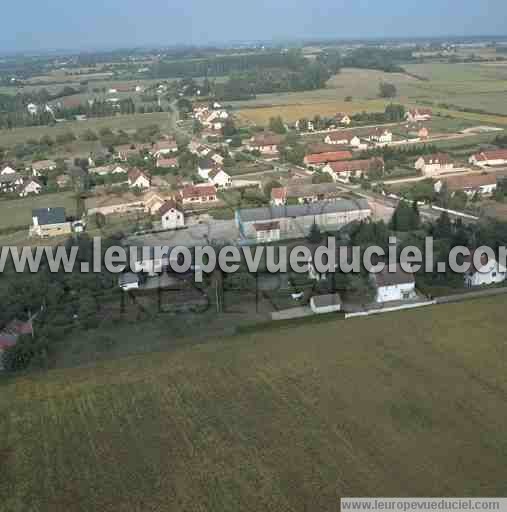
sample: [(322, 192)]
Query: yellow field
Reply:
[(291, 113)]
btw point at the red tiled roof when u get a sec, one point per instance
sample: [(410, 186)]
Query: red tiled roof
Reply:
[(324, 158), (279, 193), (201, 191), (356, 165), (167, 162), (267, 139), (470, 182)]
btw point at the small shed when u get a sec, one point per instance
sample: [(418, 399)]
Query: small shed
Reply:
[(330, 303)]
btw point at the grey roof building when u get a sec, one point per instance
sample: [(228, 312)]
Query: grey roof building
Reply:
[(49, 215)]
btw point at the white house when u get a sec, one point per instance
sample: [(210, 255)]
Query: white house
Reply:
[(485, 272), (393, 286), (220, 178), (204, 167), (343, 139), (267, 231), (380, 136), (218, 159), (10, 182), (171, 216), (343, 118), (30, 186), (7, 170), (32, 108), (430, 165), (418, 114), (139, 179)]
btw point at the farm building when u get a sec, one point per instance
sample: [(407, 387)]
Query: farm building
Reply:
[(489, 158), (282, 222), (321, 159)]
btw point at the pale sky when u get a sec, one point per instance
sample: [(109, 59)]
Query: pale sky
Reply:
[(70, 24)]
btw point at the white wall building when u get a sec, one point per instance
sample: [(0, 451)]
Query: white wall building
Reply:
[(393, 286), (488, 271)]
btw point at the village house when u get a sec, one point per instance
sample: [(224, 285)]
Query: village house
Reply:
[(418, 114), (198, 194), (296, 221), (430, 165), (205, 166), (106, 170), (321, 159), (29, 186), (486, 272), (220, 179), (7, 170), (218, 159), (167, 162), (171, 215), (139, 179), (309, 126), (470, 184), (489, 158), (163, 148), (38, 168), (343, 171), (10, 182), (126, 151), (267, 143), (48, 222), (304, 193), (342, 118), (379, 136), (393, 286), (343, 139)]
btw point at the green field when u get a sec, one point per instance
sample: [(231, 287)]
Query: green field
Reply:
[(18, 212), (287, 419), (477, 86), (126, 122)]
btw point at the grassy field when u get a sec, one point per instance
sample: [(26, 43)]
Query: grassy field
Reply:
[(288, 419), (478, 86), (18, 212), (130, 122)]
